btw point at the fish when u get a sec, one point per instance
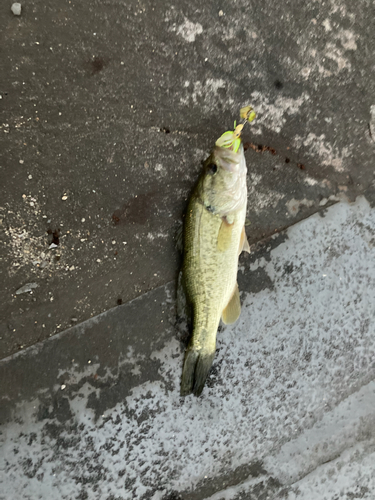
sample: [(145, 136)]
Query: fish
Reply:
[(213, 238)]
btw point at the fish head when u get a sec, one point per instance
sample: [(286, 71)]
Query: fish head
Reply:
[(223, 184)]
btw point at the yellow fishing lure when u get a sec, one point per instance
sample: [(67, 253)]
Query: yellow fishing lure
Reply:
[(231, 139)]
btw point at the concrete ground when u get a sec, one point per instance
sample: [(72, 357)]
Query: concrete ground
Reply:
[(108, 110)]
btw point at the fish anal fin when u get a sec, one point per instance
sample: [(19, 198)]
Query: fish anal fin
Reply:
[(225, 235), (244, 244), (233, 309)]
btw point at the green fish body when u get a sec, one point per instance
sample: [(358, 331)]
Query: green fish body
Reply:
[(214, 236)]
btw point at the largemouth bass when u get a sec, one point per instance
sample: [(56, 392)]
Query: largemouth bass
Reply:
[(214, 236)]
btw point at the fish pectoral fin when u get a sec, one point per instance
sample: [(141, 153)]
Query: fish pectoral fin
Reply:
[(233, 310), (244, 244), (225, 235)]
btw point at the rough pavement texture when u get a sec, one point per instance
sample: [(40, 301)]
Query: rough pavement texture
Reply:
[(108, 109), (288, 411)]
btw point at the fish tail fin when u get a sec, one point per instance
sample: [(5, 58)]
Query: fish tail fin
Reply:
[(197, 364), (202, 369)]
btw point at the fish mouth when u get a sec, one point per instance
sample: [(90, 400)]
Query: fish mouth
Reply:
[(228, 159)]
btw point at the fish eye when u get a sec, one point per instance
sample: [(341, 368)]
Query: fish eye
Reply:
[(212, 168)]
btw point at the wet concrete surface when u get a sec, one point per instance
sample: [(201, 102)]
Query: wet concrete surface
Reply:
[(288, 410), (108, 110)]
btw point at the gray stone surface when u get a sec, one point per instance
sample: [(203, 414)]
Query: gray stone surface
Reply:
[(288, 411), (108, 109)]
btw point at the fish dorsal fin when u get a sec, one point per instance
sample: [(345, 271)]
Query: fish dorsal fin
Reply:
[(244, 244), (224, 237), (233, 310)]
